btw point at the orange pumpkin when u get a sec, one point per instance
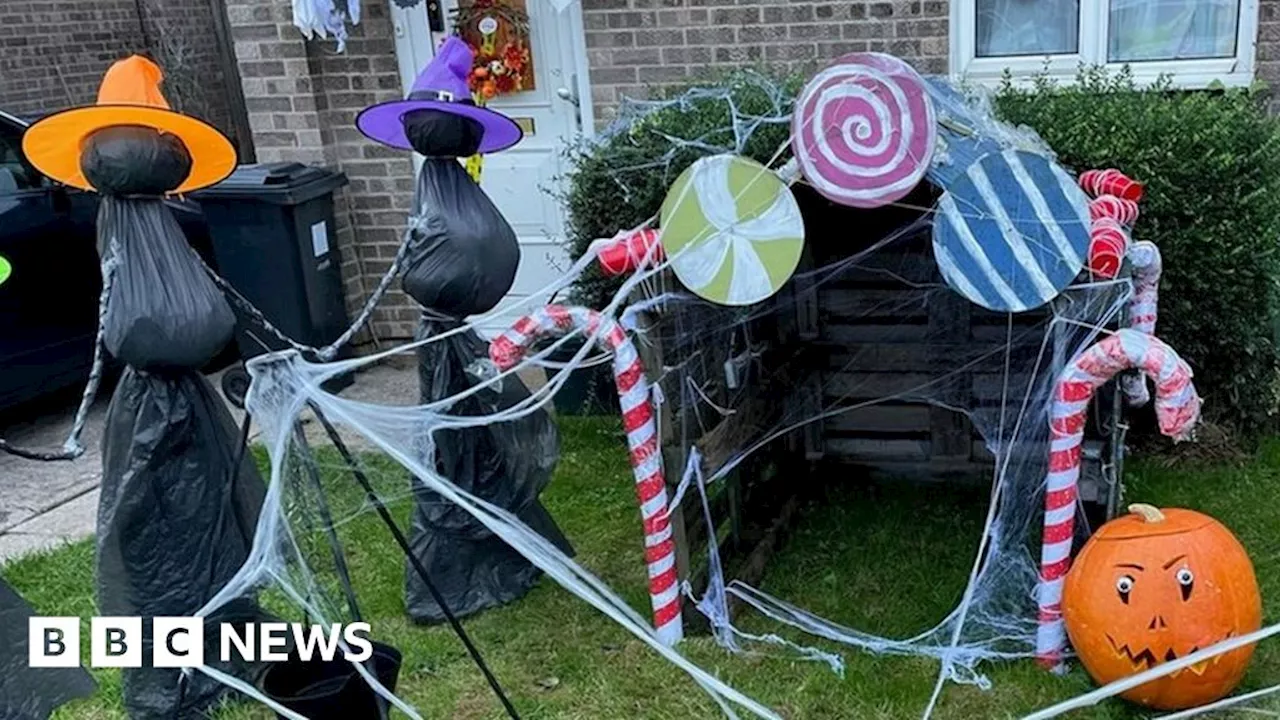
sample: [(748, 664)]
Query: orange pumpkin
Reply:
[(1154, 586)]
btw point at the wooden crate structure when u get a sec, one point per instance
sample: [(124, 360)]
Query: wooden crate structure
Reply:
[(732, 378)]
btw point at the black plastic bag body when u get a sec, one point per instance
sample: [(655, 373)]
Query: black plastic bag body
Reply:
[(175, 522), (163, 310), (507, 463), (28, 693), (177, 513), (465, 259)]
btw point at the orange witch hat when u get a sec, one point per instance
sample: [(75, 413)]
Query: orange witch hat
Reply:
[(129, 95)]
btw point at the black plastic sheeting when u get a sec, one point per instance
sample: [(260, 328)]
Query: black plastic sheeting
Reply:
[(177, 514), (163, 311), (175, 523), (435, 133), (506, 463), (465, 261), (132, 160), (28, 693), (463, 264)]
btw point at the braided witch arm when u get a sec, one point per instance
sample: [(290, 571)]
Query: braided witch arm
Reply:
[(330, 351)]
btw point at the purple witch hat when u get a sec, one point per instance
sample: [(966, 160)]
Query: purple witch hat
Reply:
[(442, 85)]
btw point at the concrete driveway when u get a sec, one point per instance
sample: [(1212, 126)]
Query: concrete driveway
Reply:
[(45, 505), (48, 504)]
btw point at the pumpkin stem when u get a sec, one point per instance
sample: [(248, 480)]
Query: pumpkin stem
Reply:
[(1148, 512)]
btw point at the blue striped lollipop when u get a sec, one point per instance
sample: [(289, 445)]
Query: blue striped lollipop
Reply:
[(1012, 232)]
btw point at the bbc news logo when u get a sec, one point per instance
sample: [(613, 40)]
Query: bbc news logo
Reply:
[(179, 642)]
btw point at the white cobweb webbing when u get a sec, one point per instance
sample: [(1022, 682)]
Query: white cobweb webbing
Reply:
[(875, 276)]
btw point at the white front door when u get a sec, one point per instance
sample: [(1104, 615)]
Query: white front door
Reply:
[(522, 181)]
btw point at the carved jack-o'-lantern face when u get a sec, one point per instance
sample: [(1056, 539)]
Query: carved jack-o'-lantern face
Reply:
[(1154, 586)]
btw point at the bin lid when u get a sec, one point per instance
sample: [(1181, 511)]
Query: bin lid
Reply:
[(282, 183)]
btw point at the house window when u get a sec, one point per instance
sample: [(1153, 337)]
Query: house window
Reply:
[(1196, 42)]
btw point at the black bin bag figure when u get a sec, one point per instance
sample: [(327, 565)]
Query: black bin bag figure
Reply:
[(179, 500), (460, 261), (33, 693)]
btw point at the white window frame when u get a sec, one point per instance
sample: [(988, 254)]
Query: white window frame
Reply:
[(1236, 71)]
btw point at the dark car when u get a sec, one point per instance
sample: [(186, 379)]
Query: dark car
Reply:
[(49, 305)]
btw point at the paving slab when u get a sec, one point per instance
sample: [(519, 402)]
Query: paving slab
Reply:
[(29, 487), (47, 504), (70, 522)]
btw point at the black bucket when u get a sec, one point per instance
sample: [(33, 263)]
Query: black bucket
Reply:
[(332, 690)]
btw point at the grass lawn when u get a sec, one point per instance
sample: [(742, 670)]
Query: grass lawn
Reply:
[(893, 562)]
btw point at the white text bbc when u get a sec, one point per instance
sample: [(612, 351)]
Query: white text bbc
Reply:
[(179, 642)]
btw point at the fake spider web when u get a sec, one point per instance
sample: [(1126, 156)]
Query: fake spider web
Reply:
[(870, 279)]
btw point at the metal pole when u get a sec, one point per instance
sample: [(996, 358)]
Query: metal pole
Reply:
[(358, 474)]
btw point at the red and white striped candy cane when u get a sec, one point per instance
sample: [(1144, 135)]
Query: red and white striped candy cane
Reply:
[(638, 419), (1108, 243), (1111, 182), (1144, 257), (1177, 410), (1122, 211)]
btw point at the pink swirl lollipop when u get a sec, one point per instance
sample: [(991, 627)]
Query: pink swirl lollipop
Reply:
[(864, 129)]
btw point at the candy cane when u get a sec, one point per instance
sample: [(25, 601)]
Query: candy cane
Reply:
[(627, 251), (511, 346), (1177, 410), (1111, 182), (1145, 259), (1108, 242), (1122, 211)]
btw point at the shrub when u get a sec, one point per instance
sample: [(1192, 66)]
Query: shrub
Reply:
[(1211, 164), (1210, 160), (620, 182)]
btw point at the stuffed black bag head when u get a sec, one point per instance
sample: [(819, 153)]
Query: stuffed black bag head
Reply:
[(438, 134), (163, 310), (133, 160)]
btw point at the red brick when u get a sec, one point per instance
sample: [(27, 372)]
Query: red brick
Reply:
[(83, 37)]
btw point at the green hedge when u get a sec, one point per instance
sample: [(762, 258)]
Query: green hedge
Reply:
[(1210, 160), (1211, 164), (620, 183)]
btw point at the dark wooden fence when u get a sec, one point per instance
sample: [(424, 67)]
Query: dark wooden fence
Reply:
[(872, 354)]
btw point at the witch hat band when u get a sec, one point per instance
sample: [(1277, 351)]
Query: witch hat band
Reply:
[(129, 95), (442, 85)]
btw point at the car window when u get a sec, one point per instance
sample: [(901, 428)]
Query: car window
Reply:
[(15, 172)]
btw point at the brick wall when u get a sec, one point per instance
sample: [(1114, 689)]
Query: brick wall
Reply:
[(302, 100), (180, 37), (53, 52), (1268, 56), (636, 44)]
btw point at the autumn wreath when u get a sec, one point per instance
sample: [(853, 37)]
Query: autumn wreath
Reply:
[(498, 33)]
